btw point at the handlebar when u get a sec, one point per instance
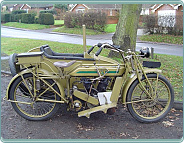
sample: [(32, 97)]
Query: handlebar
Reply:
[(91, 49), (99, 51), (104, 45)]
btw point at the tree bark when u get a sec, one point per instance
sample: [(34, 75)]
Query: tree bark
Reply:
[(126, 29)]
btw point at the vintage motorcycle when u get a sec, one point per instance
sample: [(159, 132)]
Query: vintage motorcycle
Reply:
[(87, 83)]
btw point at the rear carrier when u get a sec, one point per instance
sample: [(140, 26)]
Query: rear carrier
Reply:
[(30, 58)]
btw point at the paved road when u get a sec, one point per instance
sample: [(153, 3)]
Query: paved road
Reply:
[(91, 40), (66, 125)]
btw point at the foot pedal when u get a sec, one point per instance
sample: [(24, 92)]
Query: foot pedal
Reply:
[(103, 108)]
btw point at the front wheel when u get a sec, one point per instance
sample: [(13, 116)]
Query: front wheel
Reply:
[(150, 108), (26, 106)]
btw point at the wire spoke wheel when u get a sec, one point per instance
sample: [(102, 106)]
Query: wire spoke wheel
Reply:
[(28, 107), (152, 107)]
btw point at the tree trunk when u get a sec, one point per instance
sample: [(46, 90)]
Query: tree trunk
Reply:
[(126, 29)]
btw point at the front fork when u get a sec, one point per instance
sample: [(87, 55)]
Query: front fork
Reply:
[(138, 67)]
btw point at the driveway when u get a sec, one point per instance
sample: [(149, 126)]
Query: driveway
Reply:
[(91, 40), (66, 125)]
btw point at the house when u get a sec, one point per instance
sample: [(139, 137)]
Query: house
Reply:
[(111, 10), (166, 9), (146, 9), (27, 7), (10, 7), (174, 10), (36, 7)]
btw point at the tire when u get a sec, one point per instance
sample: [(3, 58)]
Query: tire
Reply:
[(155, 109), (40, 110), (12, 64)]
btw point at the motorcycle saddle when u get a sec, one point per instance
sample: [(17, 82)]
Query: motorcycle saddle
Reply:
[(62, 64)]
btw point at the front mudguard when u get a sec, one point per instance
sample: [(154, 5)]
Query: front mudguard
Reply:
[(131, 79), (61, 88)]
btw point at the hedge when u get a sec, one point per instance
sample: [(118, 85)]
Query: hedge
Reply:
[(52, 11), (18, 11), (2, 17), (6, 17), (92, 20), (16, 18), (164, 24), (27, 18), (46, 19), (36, 20)]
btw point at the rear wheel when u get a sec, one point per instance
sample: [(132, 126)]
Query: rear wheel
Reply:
[(151, 108), (31, 109)]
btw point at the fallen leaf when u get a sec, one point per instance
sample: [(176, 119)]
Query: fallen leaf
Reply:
[(167, 123), (122, 134), (171, 117), (173, 110), (137, 136)]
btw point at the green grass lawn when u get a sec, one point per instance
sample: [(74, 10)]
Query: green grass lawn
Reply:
[(26, 26), (172, 69), (110, 28), (64, 29), (163, 38), (58, 22), (172, 66)]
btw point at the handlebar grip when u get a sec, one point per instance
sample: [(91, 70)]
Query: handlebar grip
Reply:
[(91, 49), (99, 45), (99, 51)]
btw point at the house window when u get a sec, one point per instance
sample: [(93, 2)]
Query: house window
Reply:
[(26, 10), (144, 11), (80, 10), (167, 18), (111, 12)]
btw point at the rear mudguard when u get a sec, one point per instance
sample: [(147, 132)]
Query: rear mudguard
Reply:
[(62, 93), (132, 78)]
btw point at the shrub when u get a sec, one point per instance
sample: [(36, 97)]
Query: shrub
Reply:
[(164, 24), (52, 11), (12, 18), (27, 18), (41, 19), (46, 19), (36, 20), (33, 12), (7, 18), (2, 17), (150, 22), (18, 11), (92, 20), (18, 17), (68, 20)]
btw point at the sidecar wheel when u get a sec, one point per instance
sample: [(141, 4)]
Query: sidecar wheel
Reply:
[(150, 109), (38, 110)]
